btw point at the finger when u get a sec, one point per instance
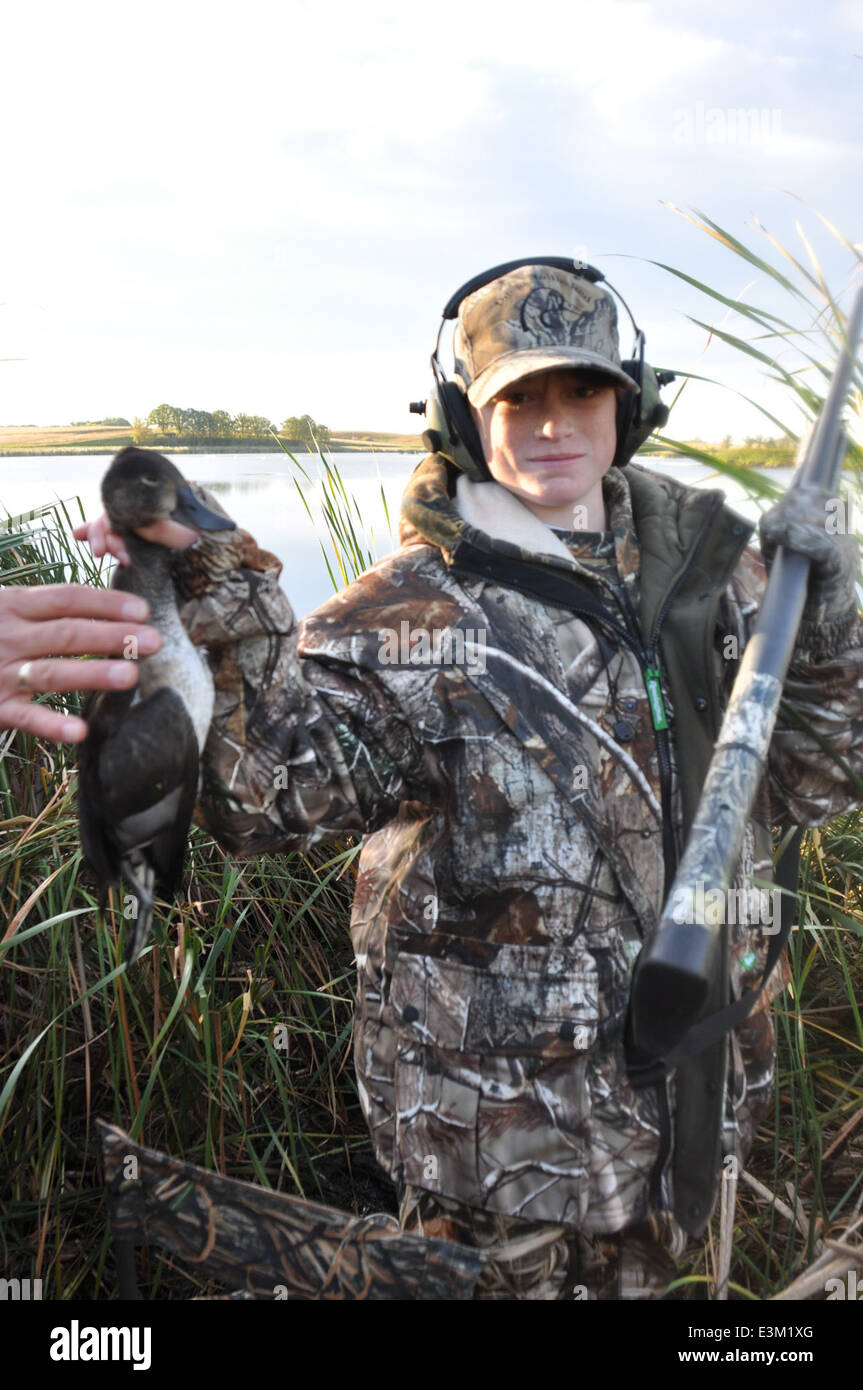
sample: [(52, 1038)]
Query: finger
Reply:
[(79, 637), (43, 722), (170, 533), (45, 601), (116, 546), (94, 533), (103, 541), (51, 675)]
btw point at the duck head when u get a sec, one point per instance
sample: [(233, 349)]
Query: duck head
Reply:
[(142, 487)]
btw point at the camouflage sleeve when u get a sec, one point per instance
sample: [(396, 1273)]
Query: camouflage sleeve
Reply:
[(299, 749), (816, 756)]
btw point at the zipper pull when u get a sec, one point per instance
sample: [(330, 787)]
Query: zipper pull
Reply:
[(653, 684)]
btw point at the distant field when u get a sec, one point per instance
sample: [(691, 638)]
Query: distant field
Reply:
[(46, 439), (367, 440), (106, 439)]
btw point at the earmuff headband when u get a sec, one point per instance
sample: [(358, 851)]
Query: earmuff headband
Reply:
[(580, 268)]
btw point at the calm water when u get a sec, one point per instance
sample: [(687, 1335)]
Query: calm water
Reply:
[(259, 492)]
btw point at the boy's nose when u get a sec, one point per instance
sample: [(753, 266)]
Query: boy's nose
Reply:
[(557, 419)]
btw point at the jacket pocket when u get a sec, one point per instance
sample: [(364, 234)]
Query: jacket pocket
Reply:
[(541, 1000), (492, 1100)]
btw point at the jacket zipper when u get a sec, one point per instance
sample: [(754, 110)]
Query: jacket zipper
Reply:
[(649, 660), (651, 675)]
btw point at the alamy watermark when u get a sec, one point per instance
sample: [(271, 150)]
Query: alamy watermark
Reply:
[(20, 1290), (839, 516), (432, 646), (726, 125), (749, 906), (77, 1343), (849, 1287)]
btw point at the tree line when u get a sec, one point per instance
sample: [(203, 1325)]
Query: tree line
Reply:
[(112, 420), (220, 424)]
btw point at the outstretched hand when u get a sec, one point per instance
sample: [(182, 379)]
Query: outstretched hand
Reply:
[(43, 628)]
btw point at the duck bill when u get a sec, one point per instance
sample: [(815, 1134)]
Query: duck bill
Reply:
[(191, 512)]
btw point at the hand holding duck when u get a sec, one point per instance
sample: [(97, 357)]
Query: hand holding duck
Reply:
[(104, 541)]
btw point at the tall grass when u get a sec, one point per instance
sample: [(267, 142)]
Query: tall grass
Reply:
[(340, 515), (796, 350), (229, 1044)]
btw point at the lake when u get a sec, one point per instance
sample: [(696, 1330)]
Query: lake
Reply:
[(259, 492)]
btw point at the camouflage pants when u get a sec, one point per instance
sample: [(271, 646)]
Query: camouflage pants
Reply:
[(534, 1260)]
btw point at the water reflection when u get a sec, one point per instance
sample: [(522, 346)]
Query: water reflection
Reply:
[(263, 492)]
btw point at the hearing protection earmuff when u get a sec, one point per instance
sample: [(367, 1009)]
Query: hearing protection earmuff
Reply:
[(451, 429)]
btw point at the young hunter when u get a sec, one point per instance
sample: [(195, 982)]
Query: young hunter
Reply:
[(474, 706)]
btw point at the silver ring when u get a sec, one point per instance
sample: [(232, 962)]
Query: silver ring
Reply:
[(24, 676)]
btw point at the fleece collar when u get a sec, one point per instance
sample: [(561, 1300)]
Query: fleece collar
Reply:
[(442, 507), (498, 513)]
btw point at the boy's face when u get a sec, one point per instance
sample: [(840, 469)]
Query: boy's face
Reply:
[(550, 439)]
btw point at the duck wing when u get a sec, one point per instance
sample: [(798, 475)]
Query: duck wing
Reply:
[(104, 712), (138, 788)]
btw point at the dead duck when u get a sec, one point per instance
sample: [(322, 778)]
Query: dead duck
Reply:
[(139, 765)]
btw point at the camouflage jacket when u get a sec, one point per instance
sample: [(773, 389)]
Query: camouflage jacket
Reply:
[(475, 707)]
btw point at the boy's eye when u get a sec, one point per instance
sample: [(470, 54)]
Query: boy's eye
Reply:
[(585, 393), (516, 397)]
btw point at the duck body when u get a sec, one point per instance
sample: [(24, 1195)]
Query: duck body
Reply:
[(139, 767)]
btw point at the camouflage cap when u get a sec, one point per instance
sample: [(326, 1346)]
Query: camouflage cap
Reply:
[(531, 320)]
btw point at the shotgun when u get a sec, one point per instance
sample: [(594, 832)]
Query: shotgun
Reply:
[(673, 974)]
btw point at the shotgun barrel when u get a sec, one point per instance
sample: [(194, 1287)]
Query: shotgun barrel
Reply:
[(673, 974)]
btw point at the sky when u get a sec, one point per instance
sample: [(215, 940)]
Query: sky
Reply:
[(263, 208)]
